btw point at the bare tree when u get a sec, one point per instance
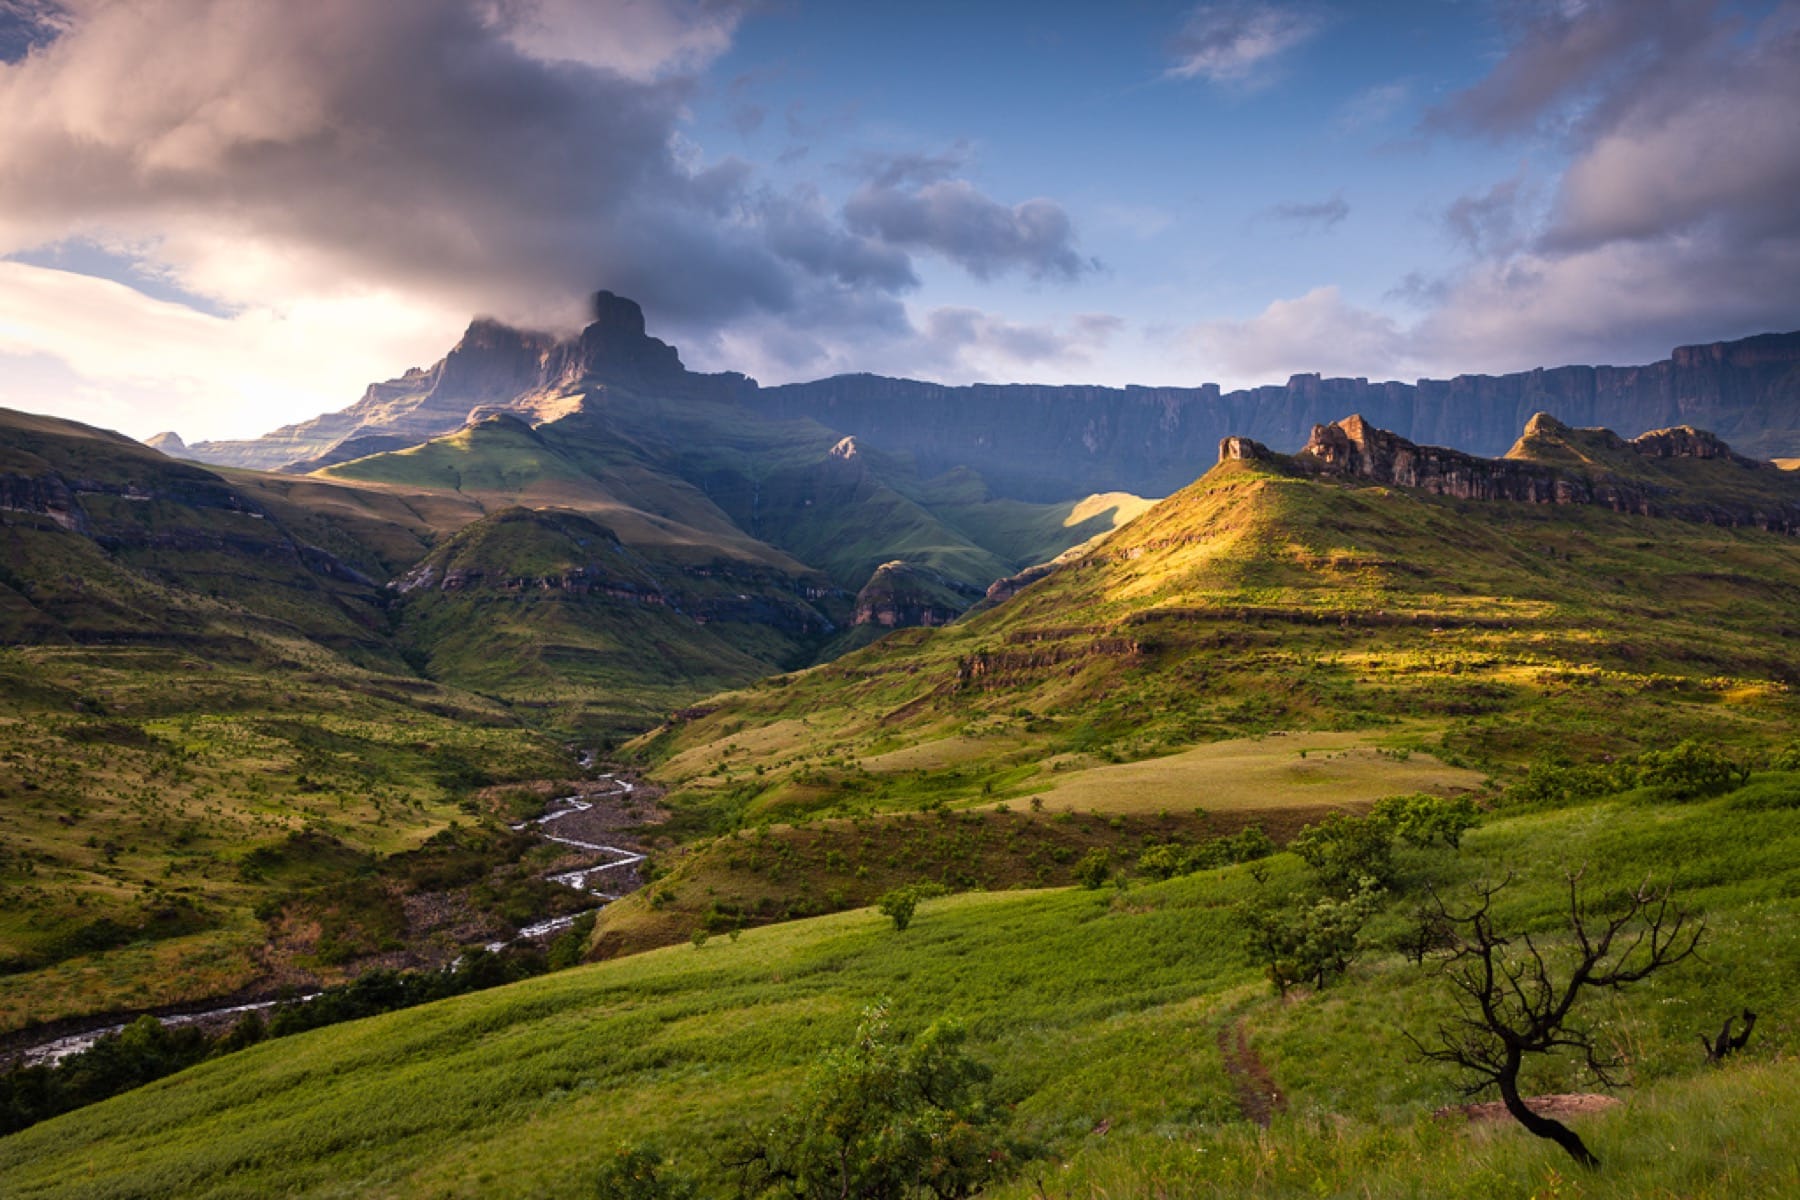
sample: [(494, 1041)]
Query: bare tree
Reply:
[(1514, 999), (1728, 1042)]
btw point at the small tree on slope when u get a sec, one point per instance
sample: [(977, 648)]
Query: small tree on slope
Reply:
[(1514, 1000)]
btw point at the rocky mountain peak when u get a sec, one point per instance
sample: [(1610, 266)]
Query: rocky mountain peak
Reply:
[(615, 346), (169, 443)]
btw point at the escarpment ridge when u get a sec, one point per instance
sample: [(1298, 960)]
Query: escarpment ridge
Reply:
[(1683, 473)]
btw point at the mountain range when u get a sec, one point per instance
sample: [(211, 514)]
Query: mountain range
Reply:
[(1043, 443)]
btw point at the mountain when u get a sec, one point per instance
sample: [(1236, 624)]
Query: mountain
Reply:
[(1583, 587), (492, 365), (1050, 443)]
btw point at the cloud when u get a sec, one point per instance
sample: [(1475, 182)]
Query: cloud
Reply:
[(303, 166), (1320, 214), (637, 39), (1491, 222), (976, 344), (99, 351), (1620, 303), (1318, 331), (478, 173), (910, 203), (1229, 42), (1674, 219), (1570, 63), (1676, 158)]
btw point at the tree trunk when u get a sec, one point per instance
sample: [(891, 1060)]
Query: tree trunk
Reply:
[(1544, 1127)]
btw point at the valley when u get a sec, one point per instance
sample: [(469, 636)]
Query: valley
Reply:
[(640, 669)]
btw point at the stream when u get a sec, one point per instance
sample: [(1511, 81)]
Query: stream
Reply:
[(49, 1053)]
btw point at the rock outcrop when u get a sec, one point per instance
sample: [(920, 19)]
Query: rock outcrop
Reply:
[(493, 366), (1553, 463), (903, 594)]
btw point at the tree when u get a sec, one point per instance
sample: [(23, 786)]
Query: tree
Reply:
[(902, 902), (884, 1120), (1515, 999), (1310, 939), (1343, 849), (1420, 819)]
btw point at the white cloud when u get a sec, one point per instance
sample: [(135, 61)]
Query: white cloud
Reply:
[(211, 376), (1230, 42), (1319, 331)]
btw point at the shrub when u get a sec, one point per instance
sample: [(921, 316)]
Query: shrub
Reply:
[(1309, 939), (1342, 850), (900, 903), (1419, 819), (636, 1173), (1689, 770), (883, 1120), (1094, 869)]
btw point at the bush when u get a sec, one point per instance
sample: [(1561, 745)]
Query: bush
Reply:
[(1419, 819), (900, 903), (1094, 869), (1309, 939), (882, 1120), (636, 1173), (1554, 780), (1689, 770), (1343, 850)]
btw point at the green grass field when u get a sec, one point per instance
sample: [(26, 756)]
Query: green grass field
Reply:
[(1098, 1010)]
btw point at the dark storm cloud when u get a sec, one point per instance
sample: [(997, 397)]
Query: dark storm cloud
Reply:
[(500, 155)]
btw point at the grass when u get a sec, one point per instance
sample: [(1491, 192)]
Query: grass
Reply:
[(143, 790), (1097, 1009), (1275, 771), (1250, 603)]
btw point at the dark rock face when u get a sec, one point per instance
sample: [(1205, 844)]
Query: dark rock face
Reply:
[(902, 594), (1040, 443), (1047, 443), (1002, 590), (1355, 449), (492, 366)]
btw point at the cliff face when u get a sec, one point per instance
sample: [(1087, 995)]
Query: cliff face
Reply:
[(1650, 475), (1050, 442), (492, 365), (901, 594)]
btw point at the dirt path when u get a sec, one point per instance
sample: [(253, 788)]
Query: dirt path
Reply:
[(1257, 1096)]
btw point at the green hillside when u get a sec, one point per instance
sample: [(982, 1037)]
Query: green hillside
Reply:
[(1257, 600), (1120, 1024), (549, 609)]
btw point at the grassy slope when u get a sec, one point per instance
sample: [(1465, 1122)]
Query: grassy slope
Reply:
[(135, 782), (1094, 1007), (1251, 602), (183, 688)]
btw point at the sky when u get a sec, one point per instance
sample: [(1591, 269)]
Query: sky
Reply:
[(221, 216)]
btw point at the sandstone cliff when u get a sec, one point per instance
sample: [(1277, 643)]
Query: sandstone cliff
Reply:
[(1682, 473), (1039, 443)]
